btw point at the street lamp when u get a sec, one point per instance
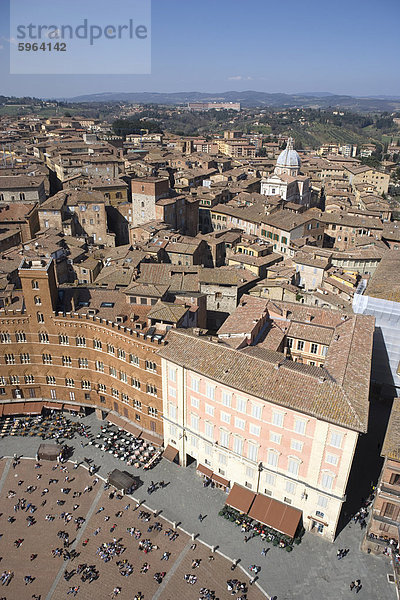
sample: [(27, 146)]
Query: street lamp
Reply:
[(260, 468)]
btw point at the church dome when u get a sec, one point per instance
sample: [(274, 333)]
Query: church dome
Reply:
[(289, 157)]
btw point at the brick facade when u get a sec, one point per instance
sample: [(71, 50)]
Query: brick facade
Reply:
[(76, 358)]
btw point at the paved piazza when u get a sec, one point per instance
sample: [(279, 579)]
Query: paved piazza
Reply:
[(311, 571)]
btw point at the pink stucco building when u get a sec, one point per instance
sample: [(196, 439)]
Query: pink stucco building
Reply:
[(279, 427)]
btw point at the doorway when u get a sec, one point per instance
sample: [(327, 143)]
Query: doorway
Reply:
[(317, 527), (189, 460)]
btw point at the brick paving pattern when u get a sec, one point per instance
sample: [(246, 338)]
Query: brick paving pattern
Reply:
[(41, 538), (310, 572)]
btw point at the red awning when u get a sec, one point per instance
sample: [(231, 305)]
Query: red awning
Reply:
[(240, 498), (72, 407), (170, 453), (275, 514), (119, 422), (13, 408), (33, 408), (56, 405), (204, 471), (220, 480)]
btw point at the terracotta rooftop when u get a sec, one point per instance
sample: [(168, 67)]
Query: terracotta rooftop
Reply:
[(312, 333), (338, 393), (391, 444), (385, 282), (17, 182), (247, 314), (167, 311), (225, 276)]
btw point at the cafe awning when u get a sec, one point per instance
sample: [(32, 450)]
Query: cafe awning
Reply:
[(119, 422), (73, 407), (32, 408), (204, 471), (240, 498), (220, 480), (170, 453), (13, 408), (275, 514), (54, 405)]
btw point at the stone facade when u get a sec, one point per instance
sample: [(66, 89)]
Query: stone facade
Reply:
[(145, 193)]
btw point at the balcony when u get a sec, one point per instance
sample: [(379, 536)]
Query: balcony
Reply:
[(383, 519), (390, 490)]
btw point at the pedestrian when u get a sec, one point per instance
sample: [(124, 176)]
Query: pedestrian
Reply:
[(200, 517), (352, 585)]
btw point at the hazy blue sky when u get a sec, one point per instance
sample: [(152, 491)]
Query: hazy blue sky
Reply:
[(343, 46)]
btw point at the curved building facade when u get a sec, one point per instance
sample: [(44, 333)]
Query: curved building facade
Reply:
[(60, 351)]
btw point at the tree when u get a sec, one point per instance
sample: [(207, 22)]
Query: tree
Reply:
[(371, 161), (124, 127)]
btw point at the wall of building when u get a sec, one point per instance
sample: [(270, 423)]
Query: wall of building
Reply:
[(144, 197), (303, 461), (39, 359)]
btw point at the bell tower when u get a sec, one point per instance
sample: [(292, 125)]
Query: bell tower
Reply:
[(39, 287)]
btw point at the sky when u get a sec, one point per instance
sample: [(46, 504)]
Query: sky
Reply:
[(345, 47)]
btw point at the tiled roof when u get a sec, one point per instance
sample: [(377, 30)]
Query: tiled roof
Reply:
[(113, 276), (225, 276), (385, 282), (287, 220), (312, 333), (391, 444), (15, 212), (55, 202), (167, 311), (147, 289), (182, 248), (315, 392), (22, 182), (391, 231), (178, 278), (243, 320)]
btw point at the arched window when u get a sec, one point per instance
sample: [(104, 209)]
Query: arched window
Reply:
[(38, 301), (35, 285)]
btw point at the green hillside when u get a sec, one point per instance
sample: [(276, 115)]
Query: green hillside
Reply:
[(316, 134)]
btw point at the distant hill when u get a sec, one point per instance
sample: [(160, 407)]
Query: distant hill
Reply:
[(250, 98)]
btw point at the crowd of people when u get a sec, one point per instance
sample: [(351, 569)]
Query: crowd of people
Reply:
[(28, 497), (62, 483)]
